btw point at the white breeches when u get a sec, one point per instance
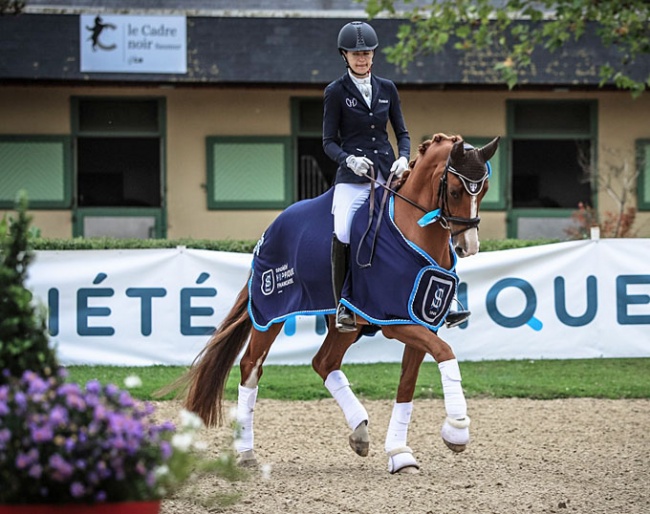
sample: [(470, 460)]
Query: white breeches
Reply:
[(347, 199)]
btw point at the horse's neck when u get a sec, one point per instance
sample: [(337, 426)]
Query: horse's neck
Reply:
[(433, 239)]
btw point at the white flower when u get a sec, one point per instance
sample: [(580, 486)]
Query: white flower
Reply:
[(161, 471), (132, 381), (190, 421), (182, 442)]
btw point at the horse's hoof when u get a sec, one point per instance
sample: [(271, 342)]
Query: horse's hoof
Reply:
[(247, 459), (360, 439), (456, 448), (455, 434), (401, 460)]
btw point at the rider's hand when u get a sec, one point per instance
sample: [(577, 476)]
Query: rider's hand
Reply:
[(359, 165), (399, 167)]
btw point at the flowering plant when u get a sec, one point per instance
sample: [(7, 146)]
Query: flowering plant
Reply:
[(61, 443)]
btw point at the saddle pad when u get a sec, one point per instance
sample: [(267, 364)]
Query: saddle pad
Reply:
[(402, 284), (291, 264)]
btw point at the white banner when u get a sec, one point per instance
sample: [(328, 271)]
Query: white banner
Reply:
[(133, 44), (139, 307)]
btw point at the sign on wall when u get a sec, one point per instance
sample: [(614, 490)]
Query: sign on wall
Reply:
[(133, 44)]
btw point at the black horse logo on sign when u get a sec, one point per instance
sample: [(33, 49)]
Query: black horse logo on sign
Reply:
[(96, 30)]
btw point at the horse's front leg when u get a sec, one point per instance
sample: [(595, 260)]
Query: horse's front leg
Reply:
[(327, 363), (400, 455), (455, 429), (251, 372)]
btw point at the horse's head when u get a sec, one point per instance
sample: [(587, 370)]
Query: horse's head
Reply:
[(463, 185), (460, 172)]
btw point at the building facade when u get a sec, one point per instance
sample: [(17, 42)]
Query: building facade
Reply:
[(206, 123)]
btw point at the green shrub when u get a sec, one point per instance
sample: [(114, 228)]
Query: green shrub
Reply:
[(24, 344), (226, 245)]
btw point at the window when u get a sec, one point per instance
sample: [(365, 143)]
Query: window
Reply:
[(249, 172), (119, 165), (643, 179), (552, 150), (315, 170), (118, 153), (40, 165)]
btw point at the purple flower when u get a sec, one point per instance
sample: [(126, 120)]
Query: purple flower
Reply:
[(41, 434), (58, 415), (165, 450), (24, 460), (126, 400), (77, 490), (100, 496), (35, 471), (94, 387), (5, 437), (61, 470), (21, 400), (75, 401), (112, 390), (36, 385)]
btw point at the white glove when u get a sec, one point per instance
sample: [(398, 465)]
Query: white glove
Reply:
[(359, 165), (399, 167)]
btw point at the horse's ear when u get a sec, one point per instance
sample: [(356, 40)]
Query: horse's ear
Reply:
[(457, 151), (490, 149)]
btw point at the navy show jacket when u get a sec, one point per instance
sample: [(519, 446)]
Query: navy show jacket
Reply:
[(350, 127)]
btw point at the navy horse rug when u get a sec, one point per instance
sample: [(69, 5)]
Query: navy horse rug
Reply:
[(391, 280)]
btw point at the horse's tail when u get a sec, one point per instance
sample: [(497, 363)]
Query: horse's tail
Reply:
[(205, 381)]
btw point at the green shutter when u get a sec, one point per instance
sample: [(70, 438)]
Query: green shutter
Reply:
[(249, 172)]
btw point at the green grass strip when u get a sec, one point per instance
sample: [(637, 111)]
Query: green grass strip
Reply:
[(536, 379)]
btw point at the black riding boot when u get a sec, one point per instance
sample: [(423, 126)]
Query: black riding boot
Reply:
[(345, 318)]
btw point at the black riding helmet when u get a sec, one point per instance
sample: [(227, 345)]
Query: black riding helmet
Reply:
[(357, 36)]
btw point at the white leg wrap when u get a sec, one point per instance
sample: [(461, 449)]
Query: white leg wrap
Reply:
[(455, 403), (339, 387), (398, 426), (245, 411), (401, 458), (455, 429)]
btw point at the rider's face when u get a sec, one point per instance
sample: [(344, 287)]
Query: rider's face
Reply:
[(360, 62)]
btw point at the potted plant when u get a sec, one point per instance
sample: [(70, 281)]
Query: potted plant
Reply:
[(69, 448)]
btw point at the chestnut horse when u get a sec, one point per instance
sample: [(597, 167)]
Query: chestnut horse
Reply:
[(446, 180)]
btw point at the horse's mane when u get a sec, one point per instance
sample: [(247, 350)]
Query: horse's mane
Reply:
[(422, 149)]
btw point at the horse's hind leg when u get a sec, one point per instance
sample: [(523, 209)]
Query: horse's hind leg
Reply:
[(400, 456), (327, 363), (251, 372)]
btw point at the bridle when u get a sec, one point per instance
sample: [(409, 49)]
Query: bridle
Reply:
[(473, 188)]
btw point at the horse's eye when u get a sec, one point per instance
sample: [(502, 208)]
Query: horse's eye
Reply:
[(454, 194)]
